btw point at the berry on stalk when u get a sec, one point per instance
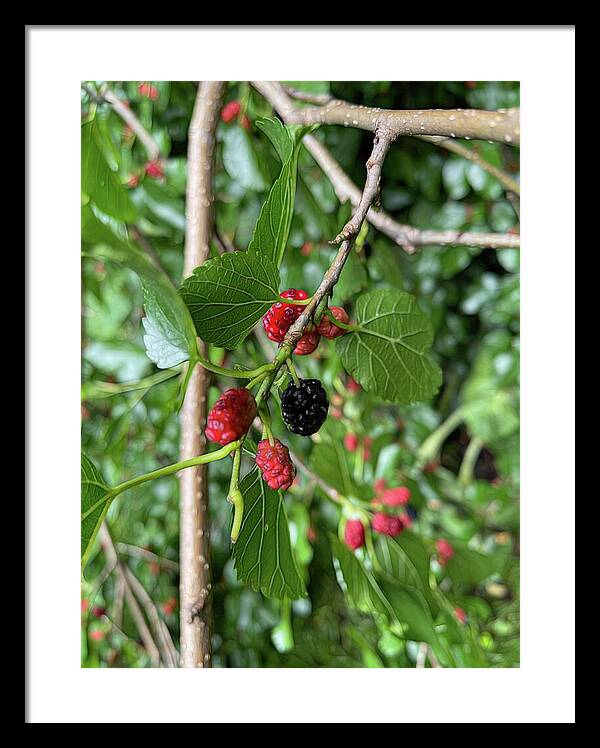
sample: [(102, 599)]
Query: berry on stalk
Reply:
[(231, 416), (304, 406), (281, 316), (274, 461), (354, 534)]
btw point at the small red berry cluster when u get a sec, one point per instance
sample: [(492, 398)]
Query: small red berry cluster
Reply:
[(231, 417), (148, 90), (352, 443), (445, 551), (231, 111), (383, 522), (281, 316)]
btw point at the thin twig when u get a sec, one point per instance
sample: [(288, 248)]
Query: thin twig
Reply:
[(509, 184), (194, 541), (165, 642), (350, 231), (135, 610), (135, 550), (130, 119), (307, 96)]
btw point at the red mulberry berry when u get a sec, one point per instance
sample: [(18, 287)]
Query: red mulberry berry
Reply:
[(385, 524), (281, 316), (231, 416), (307, 343), (274, 461), (354, 534), (351, 442), (148, 90), (246, 123), (154, 169), (460, 614), (353, 386), (230, 111), (396, 496), (445, 551), (380, 486), (329, 329)]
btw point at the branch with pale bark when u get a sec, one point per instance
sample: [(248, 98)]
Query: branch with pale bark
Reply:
[(194, 539), (501, 125), (406, 236)]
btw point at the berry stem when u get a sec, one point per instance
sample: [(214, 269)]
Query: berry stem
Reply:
[(467, 466), (293, 373), (296, 302), (432, 445), (342, 325), (233, 373), (235, 496)]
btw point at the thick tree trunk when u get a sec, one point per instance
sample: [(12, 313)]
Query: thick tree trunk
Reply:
[(194, 538)]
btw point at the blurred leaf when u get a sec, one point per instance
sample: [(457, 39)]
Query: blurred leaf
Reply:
[(388, 355), (400, 603), (240, 159), (471, 567), (170, 335), (263, 555), (98, 180), (227, 295)]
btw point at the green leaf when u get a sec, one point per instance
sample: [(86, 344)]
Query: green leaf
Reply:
[(240, 159), (263, 555), (400, 603), (170, 335), (273, 225), (95, 500), (389, 354), (490, 393), (406, 559), (98, 181), (471, 567), (228, 294)]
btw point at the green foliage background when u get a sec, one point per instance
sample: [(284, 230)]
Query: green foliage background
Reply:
[(472, 299)]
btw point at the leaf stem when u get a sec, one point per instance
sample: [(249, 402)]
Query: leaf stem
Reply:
[(235, 496), (217, 454), (293, 373), (467, 466), (432, 445)]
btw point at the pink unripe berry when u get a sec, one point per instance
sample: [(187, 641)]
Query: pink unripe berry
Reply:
[(395, 496), (354, 534), (460, 614), (380, 486), (351, 442), (154, 169), (385, 524), (230, 111), (445, 551)]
